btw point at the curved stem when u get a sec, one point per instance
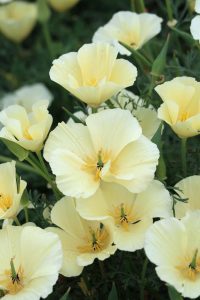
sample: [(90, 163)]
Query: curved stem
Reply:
[(183, 156), (19, 164), (26, 214), (169, 9), (17, 221), (142, 283)]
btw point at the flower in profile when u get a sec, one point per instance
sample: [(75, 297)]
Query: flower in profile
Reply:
[(62, 5), (109, 148), (27, 129), (188, 189), (181, 105), (93, 74), (129, 28), (132, 214), (82, 240), (10, 191), (17, 20), (30, 262), (195, 24), (27, 96), (174, 247)]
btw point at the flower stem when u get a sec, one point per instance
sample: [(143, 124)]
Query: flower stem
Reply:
[(183, 156), (26, 214), (17, 221), (141, 5), (169, 9), (142, 283), (48, 39), (19, 164)]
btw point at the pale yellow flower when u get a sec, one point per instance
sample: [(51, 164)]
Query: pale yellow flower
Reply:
[(82, 240), (17, 20), (10, 191), (181, 107), (93, 74), (30, 262), (27, 96), (27, 129), (109, 148), (130, 28), (174, 246), (62, 5), (188, 189), (132, 214)]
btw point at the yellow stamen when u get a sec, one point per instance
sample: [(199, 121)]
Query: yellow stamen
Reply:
[(27, 134), (5, 202), (12, 281), (123, 216), (97, 241), (184, 116)]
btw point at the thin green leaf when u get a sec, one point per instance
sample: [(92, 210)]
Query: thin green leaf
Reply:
[(173, 294), (14, 148), (113, 293), (66, 295)]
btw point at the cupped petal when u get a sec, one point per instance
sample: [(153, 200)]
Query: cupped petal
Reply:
[(133, 237), (73, 177), (164, 242), (194, 28), (150, 26), (66, 71), (189, 189), (188, 128), (168, 111), (72, 137), (153, 202), (65, 216), (70, 252), (96, 62), (135, 165), (124, 73), (8, 185), (107, 126)]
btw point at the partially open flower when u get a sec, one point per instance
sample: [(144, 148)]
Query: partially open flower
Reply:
[(181, 107), (93, 74), (62, 5), (17, 20), (110, 148), (129, 28), (132, 214), (27, 129), (82, 240), (174, 246), (10, 192), (189, 190), (27, 96), (30, 262)]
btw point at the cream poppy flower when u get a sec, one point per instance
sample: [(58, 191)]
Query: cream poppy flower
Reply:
[(181, 107), (93, 74), (30, 262), (10, 193), (189, 188), (82, 240), (27, 129), (132, 214), (174, 246), (130, 28), (27, 96), (110, 148), (17, 19), (62, 5), (195, 24)]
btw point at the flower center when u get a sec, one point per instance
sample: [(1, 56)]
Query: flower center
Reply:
[(5, 202), (96, 241), (123, 216), (12, 280), (184, 116), (27, 134), (192, 269)]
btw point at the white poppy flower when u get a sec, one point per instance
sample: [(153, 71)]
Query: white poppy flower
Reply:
[(82, 240), (132, 214), (110, 148)]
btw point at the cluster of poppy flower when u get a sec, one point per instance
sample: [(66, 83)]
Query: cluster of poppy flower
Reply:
[(104, 168)]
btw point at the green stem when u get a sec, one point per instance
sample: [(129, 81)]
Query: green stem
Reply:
[(19, 164), (17, 221), (183, 156), (169, 9), (102, 270), (48, 39), (141, 5), (42, 163), (133, 7), (142, 283), (26, 214)]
